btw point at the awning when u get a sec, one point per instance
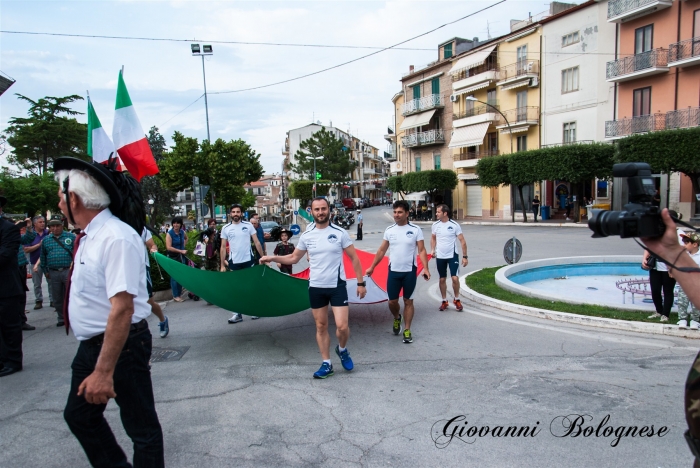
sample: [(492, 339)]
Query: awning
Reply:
[(472, 60), (417, 120), (473, 88), (506, 131), (473, 135), (468, 176), (519, 84)]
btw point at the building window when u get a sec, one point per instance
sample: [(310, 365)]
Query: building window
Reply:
[(641, 102), (188, 208), (416, 92), (491, 97), (570, 39), (696, 24), (569, 132), (417, 164), (492, 143), (188, 196), (522, 143), (436, 161), (569, 80), (521, 111), (436, 85), (521, 56), (643, 39), (447, 51)]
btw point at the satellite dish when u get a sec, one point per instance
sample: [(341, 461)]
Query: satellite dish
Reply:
[(512, 251)]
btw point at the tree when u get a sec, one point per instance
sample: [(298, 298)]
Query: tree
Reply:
[(46, 134), (226, 166), (523, 170), (302, 190), (493, 172), (432, 182), (32, 194), (335, 163), (152, 186), (395, 184)]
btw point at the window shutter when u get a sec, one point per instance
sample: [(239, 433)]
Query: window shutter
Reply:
[(436, 85)]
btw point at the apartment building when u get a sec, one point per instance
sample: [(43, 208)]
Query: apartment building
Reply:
[(397, 153), (268, 197), (656, 76)]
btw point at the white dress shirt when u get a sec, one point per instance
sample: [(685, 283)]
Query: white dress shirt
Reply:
[(110, 259)]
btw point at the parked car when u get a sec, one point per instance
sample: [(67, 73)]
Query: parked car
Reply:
[(366, 203), (376, 202), (349, 203), (271, 234)]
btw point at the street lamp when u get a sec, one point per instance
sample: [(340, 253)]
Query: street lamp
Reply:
[(317, 157), (197, 51)]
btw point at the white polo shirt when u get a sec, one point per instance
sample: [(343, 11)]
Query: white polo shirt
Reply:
[(325, 248), (446, 238), (238, 236), (403, 246), (110, 259)]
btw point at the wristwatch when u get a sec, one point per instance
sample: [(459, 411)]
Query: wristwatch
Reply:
[(363, 284), (465, 256)]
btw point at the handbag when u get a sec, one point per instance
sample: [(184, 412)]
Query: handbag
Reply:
[(200, 249), (651, 262)]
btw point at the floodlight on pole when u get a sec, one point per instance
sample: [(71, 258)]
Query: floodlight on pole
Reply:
[(206, 50)]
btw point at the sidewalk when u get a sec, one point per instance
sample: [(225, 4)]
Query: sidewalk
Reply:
[(498, 222)]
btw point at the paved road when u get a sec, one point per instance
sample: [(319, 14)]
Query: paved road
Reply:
[(243, 394)]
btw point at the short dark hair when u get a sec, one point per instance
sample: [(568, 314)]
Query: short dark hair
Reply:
[(444, 208), (403, 204), (236, 205), (321, 198), (178, 220), (211, 220)]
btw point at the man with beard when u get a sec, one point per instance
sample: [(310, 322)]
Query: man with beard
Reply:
[(238, 234), (325, 243)]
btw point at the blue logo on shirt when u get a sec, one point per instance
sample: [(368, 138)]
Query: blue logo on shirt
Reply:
[(332, 238), (450, 228), (245, 229), (68, 241), (409, 234)]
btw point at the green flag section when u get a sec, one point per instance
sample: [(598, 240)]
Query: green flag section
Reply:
[(235, 290), (100, 147), (306, 216)]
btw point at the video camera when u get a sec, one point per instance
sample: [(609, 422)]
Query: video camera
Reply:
[(639, 218)]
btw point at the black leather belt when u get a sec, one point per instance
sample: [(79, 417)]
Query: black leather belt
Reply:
[(58, 269), (135, 327)]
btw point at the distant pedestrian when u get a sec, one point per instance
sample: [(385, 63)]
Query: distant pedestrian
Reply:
[(569, 205), (163, 322), (212, 243), (55, 260), (660, 282), (33, 249), (359, 224), (27, 236), (535, 207), (691, 242), (176, 248)]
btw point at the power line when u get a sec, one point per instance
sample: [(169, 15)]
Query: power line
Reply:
[(166, 39), (183, 110), (363, 57)]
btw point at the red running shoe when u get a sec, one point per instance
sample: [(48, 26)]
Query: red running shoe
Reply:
[(444, 305), (458, 305)]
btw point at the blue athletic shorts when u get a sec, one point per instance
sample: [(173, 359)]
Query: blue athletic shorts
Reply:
[(452, 262), (398, 280), (240, 266), (336, 297), (149, 282)]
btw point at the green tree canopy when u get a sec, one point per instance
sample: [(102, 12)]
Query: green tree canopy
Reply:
[(493, 171), (666, 151), (226, 166), (334, 163), (47, 133), (302, 190), (395, 184), (152, 187), (32, 194)]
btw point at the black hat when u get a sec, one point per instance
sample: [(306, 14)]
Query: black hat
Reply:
[(3, 201), (100, 172), (55, 221), (289, 233)]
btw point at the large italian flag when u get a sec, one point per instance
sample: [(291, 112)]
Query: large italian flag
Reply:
[(129, 139), (100, 147)]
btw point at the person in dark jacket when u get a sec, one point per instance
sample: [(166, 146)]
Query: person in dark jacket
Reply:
[(284, 248), (12, 297)]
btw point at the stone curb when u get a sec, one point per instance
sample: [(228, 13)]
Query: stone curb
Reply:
[(598, 322)]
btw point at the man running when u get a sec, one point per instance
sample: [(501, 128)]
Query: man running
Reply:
[(238, 233), (405, 240), (443, 246), (325, 243)]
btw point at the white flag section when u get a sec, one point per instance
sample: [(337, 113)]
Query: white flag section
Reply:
[(100, 146), (374, 294)]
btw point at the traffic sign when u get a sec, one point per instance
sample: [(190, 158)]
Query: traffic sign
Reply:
[(512, 251), (296, 213), (295, 228), (308, 209), (205, 209)]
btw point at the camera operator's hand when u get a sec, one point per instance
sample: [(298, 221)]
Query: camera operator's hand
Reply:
[(667, 245)]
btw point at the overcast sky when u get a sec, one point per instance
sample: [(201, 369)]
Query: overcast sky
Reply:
[(163, 77)]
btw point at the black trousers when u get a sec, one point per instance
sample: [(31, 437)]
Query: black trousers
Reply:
[(11, 312), (23, 275), (132, 384), (660, 281), (359, 231)]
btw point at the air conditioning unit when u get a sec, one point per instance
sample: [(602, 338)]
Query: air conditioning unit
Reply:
[(534, 82), (454, 97)]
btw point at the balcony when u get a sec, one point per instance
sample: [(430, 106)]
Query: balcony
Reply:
[(431, 101), (431, 137), (472, 79), (620, 11), (520, 119), (475, 115), (391, 134), (471, 158), (684, 53), (621, 128), (568, 143), (635, 66), (683, 118), (395, 167), (519, 74)]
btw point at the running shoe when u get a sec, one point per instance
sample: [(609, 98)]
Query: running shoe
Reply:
[(444, 305), (345, 358), (164, 328), (655, 315), (254, 317), (694, 325), (682, 324), (664, 318), (326, 370), (397, 325), (458, 305), (235, 318), (407, 337)]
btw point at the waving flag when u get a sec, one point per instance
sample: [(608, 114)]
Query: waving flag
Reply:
[(129, 139), (99, 145)]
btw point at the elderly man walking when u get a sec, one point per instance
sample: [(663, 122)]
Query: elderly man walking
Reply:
[(34, 251)]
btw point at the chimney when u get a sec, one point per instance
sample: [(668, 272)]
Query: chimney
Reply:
[(410, 69)]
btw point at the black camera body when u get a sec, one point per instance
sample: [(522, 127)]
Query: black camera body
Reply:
[(639, 218)]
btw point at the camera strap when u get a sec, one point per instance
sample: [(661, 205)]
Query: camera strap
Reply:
[(659, 258)]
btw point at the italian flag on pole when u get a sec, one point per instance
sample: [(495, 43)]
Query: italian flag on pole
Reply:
[(99, 145), (129, 139)]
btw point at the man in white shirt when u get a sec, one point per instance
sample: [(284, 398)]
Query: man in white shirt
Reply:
[(406, 240), (443, 246), (106, 309), (237, 234), (325, 243)]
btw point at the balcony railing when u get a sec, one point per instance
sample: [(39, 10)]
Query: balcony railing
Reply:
[(684, 50), (490, 64), (635, 63), (475, 155), (476, 110), (568, 143), (419, 105), (620, 7), (683, 118), (519, 69), (519, 115), (424, 138), (642, 124)]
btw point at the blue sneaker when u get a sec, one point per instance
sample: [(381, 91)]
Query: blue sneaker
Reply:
[(164, 328), (345, 359), (326, 370)]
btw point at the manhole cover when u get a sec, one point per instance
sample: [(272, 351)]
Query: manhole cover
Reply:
[(168, 354)]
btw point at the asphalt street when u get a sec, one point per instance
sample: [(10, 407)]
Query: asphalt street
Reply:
[(243, 394)]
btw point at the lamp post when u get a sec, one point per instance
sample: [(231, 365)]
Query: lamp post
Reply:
[(510, 131), (314, 187), (201, 52)]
